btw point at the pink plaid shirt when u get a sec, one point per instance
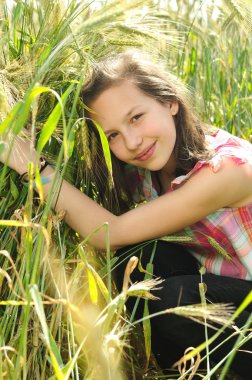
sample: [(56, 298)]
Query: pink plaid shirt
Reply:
[(225, 230)]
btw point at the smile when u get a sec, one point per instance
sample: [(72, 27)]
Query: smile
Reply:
[(147, 153)]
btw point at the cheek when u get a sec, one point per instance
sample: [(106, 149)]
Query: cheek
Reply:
[(172, 137), (118, 150), (173, 131), (151, 128), (171, 127)]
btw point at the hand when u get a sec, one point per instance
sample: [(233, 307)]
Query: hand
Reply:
[(17, 152)]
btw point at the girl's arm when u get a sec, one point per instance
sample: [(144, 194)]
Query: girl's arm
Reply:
[(204, 193)]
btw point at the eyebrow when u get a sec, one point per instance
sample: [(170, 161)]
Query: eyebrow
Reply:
[(124, 118), (130, 111)]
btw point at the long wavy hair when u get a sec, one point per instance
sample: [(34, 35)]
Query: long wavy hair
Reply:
[(156, 82)]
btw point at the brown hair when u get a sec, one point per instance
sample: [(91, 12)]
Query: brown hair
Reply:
[(155, 82)]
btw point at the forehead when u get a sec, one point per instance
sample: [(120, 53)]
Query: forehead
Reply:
[(117, 101)]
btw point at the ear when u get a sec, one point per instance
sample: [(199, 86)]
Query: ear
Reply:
[(174, 107)]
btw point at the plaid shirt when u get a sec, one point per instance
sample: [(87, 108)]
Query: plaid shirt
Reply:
[(225, 231)]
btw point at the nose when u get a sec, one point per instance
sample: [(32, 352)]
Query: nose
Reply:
[(133, 139)]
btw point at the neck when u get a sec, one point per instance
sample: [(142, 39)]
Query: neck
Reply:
[(165, 182), (165, 177), (167, 174), (170, 167)]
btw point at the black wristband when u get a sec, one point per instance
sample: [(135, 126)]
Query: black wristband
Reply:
[(24, 178), (43, 164)]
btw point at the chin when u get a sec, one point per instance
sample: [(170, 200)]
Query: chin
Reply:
[(154, 168)]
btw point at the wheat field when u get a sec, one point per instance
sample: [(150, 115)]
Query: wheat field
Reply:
[(61, 316)]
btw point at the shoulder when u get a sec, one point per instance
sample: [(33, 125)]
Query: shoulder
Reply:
[(229, 186), (221, 145)]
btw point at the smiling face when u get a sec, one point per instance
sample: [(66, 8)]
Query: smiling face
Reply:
[(140, 130)]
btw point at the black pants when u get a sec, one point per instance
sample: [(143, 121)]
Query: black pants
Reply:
[(172, 334)]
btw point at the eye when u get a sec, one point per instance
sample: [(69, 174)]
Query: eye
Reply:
[(112, 136), (136, 117)]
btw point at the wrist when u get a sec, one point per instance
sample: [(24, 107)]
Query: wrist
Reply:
[(31, 172)]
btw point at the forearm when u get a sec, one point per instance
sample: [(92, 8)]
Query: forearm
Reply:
[(81, 213)]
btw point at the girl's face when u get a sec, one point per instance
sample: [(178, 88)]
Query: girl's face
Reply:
[(140, 130)]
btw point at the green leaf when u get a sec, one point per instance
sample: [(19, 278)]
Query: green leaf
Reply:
[(2, 147), (100, 283), (105, 147), (146, 321), (39, 186), (10, 118), (53, 120), (18, 116), (246, 302), (93, 292), (25, 107), (50, 342), (147, 331), (13, 189), (71, 141), (96, 276), (70, 365)]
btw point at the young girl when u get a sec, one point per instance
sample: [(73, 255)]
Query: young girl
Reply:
[(196, 183)]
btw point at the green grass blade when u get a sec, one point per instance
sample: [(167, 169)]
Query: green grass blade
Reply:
[(50, 342), (53, 119), (105, 147)]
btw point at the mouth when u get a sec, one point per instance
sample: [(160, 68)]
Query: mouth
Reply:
[(147, 153)]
